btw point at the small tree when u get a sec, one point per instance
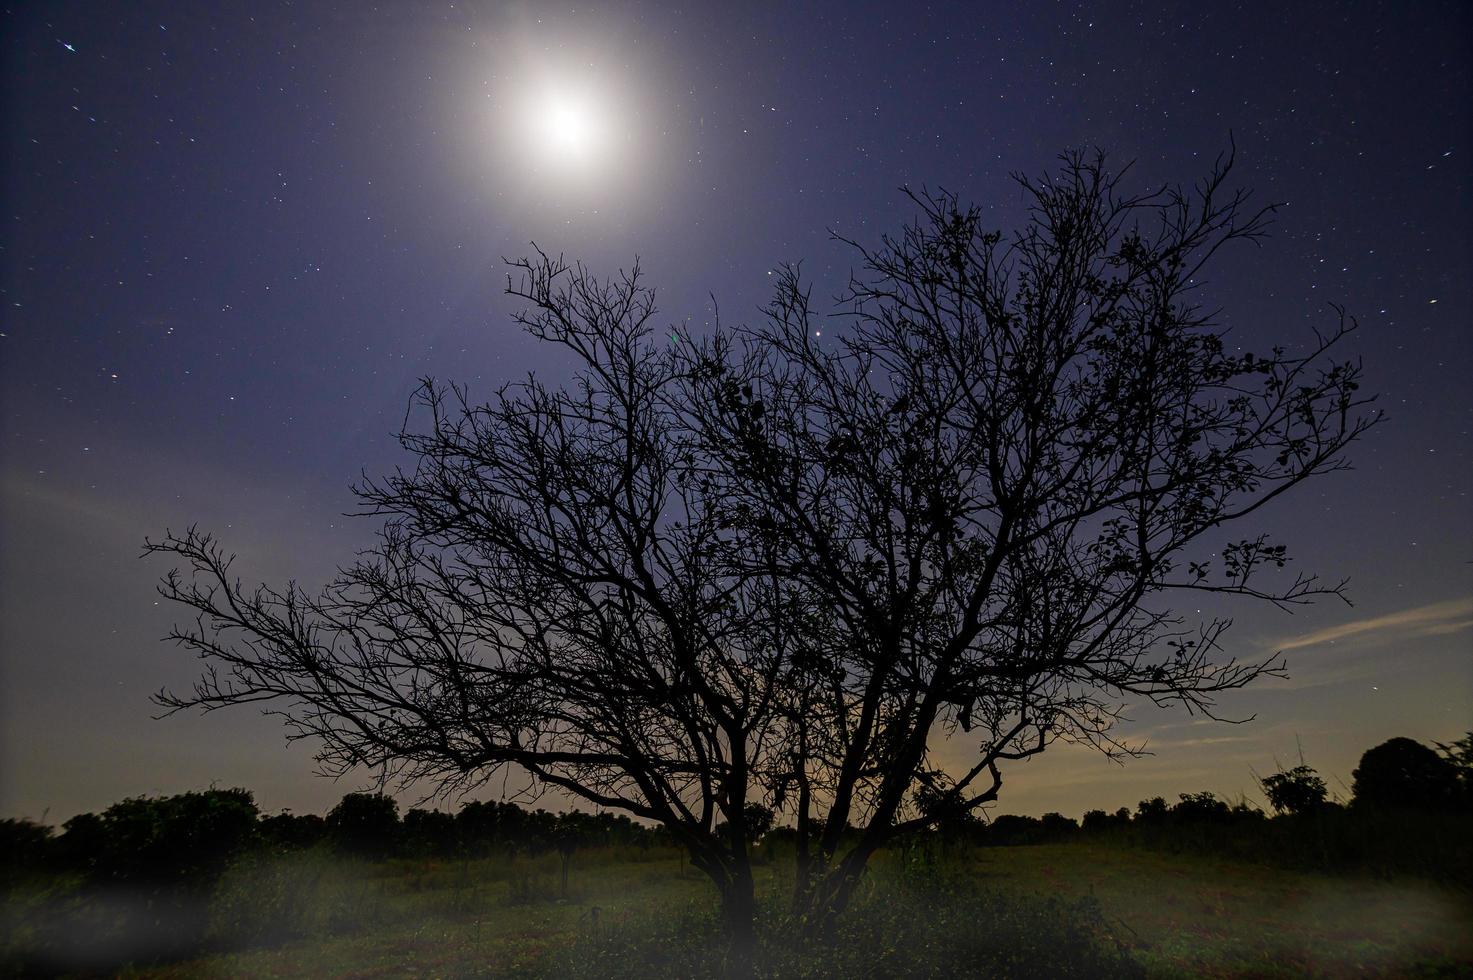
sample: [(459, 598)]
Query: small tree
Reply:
[(1202, 807), (1297, 790), (430, 833), (365, 824), (291, 831), (1151, 812), (1404, 774)]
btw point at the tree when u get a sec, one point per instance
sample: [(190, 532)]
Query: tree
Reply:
[(754, 566), (25, 845), (550, 592), (1202, 807), (430, 833), (184, 841), (1297, 790), (366, 824), (1402, 773), (290, 831), (990, 475), (1459, 755), (1096, 820)]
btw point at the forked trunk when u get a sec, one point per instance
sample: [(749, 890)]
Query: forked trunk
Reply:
[(822, 895)]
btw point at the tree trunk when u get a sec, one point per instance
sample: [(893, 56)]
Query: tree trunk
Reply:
[(738, 919), (827, 893)]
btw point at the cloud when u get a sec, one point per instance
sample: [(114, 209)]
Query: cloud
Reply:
[(1436, 619)]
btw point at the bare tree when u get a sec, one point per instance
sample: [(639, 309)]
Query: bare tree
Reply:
[(753, 566), (990, 474), (549, 592)]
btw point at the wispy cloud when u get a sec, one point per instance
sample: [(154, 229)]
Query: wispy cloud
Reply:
[(1436, 619)]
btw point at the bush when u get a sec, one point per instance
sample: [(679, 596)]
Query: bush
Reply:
[(25, 847), (430, 833), (1403, 774), (1298, 790), (165, 842), (365, 824), (1200, 808)]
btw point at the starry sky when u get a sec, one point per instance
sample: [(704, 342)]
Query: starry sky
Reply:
[(236, 235)]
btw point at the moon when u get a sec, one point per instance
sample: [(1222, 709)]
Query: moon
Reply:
[(569, 126), (564, 124)]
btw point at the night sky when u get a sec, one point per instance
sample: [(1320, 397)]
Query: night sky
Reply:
[(236, 235)]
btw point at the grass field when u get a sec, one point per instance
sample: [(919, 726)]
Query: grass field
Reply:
[(312, 915)]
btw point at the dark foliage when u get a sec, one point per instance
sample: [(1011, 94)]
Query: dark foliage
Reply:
[(429, 833), (365, 824), (1404, 774), (292, 831), (25, 846), (1297, 790), (161, 842)]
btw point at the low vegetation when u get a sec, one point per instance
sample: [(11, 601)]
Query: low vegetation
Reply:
[(199, 884)]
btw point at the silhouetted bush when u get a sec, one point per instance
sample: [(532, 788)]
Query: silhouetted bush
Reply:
[(25, 849), (365, 824), (1010, 829), (1403, 774), (1096, 821), (289, 831), (136, 881), (81, 844), (1057, 827), (168, 841), (430, 833), (488, 826), (1200, 808), (1297, 790)]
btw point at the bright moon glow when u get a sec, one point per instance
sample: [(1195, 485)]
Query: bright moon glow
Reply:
[(568, 126), (568, 131)]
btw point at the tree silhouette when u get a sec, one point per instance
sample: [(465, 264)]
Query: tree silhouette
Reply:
[(762, 566), (986, 476), (1297, 790), (366, 824), (1402, 773)]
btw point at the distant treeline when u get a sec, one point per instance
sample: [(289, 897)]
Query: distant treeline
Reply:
[(1408, 812), (193, 837)]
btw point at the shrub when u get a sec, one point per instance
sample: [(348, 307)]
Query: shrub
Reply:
[(1403, 774), (365, 824), (25, 847), (1298, 790), (287, 831), (171, 841), (1200, 808)]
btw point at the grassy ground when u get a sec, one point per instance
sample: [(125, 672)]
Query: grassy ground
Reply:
[(314, 916), (1197, 916)]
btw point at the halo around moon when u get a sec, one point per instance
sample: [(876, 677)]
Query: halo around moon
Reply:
[(559, 123)]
